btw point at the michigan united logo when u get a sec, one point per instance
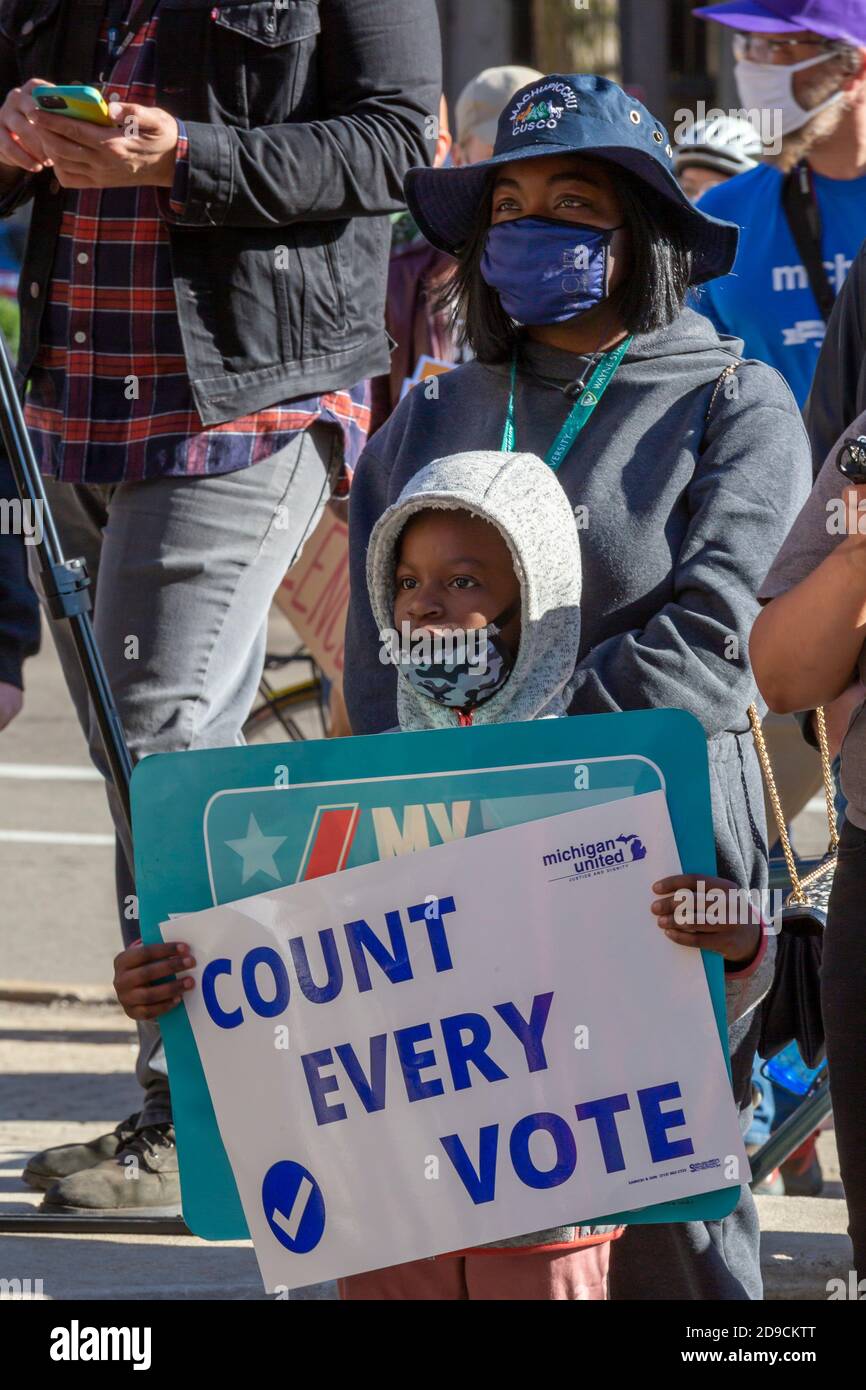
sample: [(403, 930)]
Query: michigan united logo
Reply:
[(540, 109), (598, 856)]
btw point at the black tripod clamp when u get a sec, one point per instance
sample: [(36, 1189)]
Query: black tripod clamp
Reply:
[(66, 589)]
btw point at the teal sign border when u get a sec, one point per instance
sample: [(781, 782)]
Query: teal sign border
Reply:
[(170, 794)]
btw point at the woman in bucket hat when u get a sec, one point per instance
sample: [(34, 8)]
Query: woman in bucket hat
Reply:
[(575, 248)]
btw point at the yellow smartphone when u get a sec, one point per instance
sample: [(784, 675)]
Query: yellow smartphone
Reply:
[(80, 103)]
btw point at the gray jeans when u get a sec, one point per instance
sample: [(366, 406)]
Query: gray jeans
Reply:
[(183, 572)]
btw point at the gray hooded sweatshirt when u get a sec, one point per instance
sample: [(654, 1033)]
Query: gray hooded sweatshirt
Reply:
[(520, 496), (689, 493)]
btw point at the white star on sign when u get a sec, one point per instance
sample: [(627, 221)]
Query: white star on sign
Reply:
[(257, 851)]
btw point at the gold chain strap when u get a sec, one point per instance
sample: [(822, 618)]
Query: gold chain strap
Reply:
[(798, 896), (725, 376), (827, 770)]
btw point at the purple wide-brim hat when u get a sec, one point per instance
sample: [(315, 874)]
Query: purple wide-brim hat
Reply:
[(832, 19), (575, 114)]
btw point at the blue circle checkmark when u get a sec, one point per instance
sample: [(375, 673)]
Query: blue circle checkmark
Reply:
[(294, 1206)]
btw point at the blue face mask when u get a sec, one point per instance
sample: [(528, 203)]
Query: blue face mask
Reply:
[(547, 271)]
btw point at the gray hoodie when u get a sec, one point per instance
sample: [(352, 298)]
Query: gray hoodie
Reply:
[(520, 496)]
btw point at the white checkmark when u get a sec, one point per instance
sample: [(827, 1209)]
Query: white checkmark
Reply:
[(291, 1224)]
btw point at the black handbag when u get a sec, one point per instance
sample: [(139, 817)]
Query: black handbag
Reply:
[(791, 1011)]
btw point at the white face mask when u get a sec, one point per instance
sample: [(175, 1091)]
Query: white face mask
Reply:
[(770, 87)]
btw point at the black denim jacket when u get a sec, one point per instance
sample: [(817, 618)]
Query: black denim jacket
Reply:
[(303, 117)]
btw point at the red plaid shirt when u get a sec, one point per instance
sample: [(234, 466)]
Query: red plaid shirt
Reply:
[(110, 399)]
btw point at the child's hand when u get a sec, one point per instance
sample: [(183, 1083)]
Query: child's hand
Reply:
[(135, 970), (685, 901)]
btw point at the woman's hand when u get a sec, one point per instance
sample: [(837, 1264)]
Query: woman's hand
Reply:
[(681, 908), (138, 968), (20, 145)]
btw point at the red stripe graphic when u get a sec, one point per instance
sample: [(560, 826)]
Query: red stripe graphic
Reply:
[(332, 841)]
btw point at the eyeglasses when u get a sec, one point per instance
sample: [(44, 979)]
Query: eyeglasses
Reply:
[(759, 49)]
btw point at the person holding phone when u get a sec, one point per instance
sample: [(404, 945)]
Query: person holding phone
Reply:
[(807, 650), (202, 303)]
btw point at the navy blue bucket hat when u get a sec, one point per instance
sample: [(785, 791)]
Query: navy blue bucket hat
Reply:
[(575, 114)]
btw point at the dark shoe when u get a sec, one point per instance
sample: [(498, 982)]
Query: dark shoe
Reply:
[(802, 1171), (141, 1178), (49, 1166)]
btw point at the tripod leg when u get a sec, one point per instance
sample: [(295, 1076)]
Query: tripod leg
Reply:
[(64, 583)]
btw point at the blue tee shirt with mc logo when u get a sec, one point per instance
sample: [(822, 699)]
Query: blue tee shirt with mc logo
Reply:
[(766, 300)]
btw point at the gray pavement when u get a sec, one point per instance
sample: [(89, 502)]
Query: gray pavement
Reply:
[(58, 893), (64, 1060)]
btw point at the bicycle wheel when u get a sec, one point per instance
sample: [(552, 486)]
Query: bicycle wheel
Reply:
[(292, 712)]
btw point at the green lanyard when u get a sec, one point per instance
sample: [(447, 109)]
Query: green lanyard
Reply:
[(583, 408)]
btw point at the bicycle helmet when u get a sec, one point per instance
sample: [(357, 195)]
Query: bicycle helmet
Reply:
[(727, 144)]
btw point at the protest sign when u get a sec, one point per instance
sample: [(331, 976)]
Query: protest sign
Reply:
[(217, 825), (479, 1040), (314, 594)]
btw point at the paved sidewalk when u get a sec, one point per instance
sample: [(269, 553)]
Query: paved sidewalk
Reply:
[(76, 1059), (71, 1059)]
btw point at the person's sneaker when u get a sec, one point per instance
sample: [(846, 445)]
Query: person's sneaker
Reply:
[(49, 1166), (802, 1171), (141, 1178)]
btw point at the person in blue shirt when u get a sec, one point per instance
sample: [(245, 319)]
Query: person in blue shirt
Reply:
[(803, 68)]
